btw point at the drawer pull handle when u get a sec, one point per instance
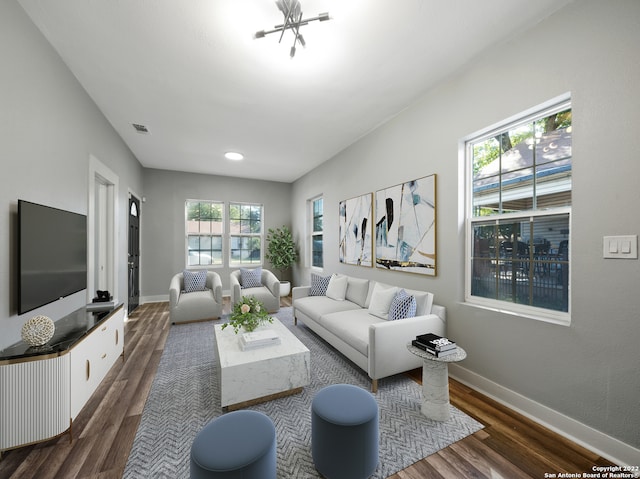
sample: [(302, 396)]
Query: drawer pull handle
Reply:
[(88, 369), (116, 337), (104, 356), (104, 329)]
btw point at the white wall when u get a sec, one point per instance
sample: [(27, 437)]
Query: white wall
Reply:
[(163, 235), (49, 127), (588, 371)]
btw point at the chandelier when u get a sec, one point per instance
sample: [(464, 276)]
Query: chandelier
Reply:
[(293, 20)]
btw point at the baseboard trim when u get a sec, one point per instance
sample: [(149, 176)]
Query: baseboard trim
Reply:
[(161, 298), (613, 449)]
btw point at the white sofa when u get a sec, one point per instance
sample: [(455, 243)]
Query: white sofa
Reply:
[(376, 345)]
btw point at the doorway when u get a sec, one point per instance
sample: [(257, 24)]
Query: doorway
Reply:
[(133, 260), (102, 242)]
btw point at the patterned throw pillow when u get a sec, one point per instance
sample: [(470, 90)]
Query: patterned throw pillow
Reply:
[(319, 285), (250, 278), (403, 306), (194, 280)]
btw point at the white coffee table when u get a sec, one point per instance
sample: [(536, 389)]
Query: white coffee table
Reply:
[(435, 382), (257, 375)]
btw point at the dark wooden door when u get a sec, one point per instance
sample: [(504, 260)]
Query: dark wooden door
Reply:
[(134, 254)]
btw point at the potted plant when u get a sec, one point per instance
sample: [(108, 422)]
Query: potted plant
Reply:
[(281, 253), (248, 313)]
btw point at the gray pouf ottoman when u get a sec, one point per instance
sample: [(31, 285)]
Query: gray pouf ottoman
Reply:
[(344, 432), (238, 445)]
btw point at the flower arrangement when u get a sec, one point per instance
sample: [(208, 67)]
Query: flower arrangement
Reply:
[(248, 313)]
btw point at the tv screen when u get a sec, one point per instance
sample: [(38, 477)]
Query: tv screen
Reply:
[(52, 254)]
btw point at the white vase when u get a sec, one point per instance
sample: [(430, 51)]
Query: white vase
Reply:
[(285, 288)]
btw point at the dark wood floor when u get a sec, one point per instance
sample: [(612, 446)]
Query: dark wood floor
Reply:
[(510, 446)]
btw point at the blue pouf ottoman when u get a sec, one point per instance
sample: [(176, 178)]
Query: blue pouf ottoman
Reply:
[(238, 445), (344, 432)]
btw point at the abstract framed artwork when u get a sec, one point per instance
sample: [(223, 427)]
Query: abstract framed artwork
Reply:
[(405, 227), (356, 244)]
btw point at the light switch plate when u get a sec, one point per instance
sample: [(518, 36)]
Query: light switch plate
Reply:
[(620, 247)]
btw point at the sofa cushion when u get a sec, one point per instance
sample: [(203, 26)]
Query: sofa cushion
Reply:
[(261, 293), (317, 306), (424, 301), (337, 288), (403, 306), (196, 298), (319, 285), (352, 327), (357, 290), (381, 298), (251, 278), (194, 280)]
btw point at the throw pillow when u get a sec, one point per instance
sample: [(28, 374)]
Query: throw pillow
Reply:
[(194, 280), (381, 298), (319, 285), (424, 302), (250, 278), (337, 288), (357, 290), (403, 306)]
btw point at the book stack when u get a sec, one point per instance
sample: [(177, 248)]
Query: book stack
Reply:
[(434, 344), (258, 339)]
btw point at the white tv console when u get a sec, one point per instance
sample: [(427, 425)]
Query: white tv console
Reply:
[(43, 389)]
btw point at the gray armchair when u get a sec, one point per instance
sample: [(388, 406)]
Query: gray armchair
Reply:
[(196, 305), (268, 293)]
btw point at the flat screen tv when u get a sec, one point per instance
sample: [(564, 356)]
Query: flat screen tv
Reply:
[(52, 254)]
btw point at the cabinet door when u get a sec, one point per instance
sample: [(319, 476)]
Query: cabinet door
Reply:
[(92, 359), (82, 374), (114, 338), (34, 400)]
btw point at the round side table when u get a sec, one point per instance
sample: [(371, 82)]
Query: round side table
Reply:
[(435, 382)]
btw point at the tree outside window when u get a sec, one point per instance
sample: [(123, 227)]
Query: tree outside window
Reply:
[(519, 207), (204, 230), (245, 230)]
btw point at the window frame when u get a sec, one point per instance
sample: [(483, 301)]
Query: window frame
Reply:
[(555, 105), (313, 233), (187, 234), (230, 236)]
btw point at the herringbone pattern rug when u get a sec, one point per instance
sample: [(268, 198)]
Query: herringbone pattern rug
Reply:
[(185, 396)]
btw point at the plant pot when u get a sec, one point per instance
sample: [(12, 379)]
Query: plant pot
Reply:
[(285, 288)]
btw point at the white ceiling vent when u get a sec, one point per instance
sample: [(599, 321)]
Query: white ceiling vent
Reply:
[(140, 128)]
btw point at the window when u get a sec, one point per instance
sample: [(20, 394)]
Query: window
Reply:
[(518, 215), (204, 228), (245, 230), (316, 233)]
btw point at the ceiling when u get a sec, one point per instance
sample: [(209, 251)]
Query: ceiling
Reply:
[(193, 74)]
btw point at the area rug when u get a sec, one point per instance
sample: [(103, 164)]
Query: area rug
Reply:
[(185, 396)]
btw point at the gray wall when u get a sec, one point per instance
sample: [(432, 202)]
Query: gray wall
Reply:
[(163, 234), (588, 371), (48, 129)]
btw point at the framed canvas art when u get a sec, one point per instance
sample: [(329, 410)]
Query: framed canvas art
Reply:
[(355, 230), (405, 227)]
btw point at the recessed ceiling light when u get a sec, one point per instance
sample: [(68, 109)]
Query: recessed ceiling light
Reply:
[(233, 155)]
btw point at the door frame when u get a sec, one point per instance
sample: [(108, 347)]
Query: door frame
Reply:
[(106, 215)]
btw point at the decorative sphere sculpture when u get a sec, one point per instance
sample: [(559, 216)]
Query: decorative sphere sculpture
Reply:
[(38, 330)]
